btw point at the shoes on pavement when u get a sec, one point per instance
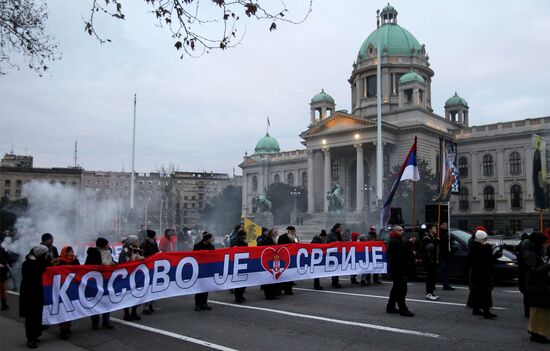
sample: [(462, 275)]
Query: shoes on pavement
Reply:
[(318, 287), (477, 312), (147, 312), (406, 313), (337, 286), (432, 297), (364, 283), (391, 310), (206, 308), (31, 344), (539, 339), (354, 281), (489, 315), (108, 326), (198, 308)]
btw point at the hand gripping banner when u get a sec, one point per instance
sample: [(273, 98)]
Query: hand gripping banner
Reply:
[(72, 292)]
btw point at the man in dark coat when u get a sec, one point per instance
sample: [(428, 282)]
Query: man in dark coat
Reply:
[(524, 244), (101, 254), (201, 299), (430, 244), (149, 247), (288, 238), (47, 240), (31, 298), (240, 240), (399, 253), (271, 290), (319, 239), (444, 255), (335, 236)]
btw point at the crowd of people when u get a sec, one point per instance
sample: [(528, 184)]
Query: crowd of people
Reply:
[(432, 245)]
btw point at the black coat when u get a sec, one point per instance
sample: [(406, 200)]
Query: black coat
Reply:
[(4, 261), (93, 256), (430, 246), (31, 295), (400, 257), (284, 239), (444, 248), (334, 236), (268, 241), (238, 242), (481, 260), (537, 279), (316, 240), (52, 254), (149, 247), (203, 245)]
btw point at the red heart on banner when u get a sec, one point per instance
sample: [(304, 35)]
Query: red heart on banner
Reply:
[(275, 261)]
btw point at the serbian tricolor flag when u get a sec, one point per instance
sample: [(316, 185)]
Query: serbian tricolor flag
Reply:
[(409, 170)]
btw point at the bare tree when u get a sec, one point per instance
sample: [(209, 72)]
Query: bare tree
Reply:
[(22, 24), (190, 22)]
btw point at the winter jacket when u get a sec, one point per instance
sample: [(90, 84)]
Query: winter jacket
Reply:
[(52, 254), (93, 256), (482, 259), (316, 240), (537, 276), (149, 247), (238, 242), (399, 253), (203, 245), (268, 241), (284, 239), (430, 245), (334, 236), (31, 295), (444, 244)]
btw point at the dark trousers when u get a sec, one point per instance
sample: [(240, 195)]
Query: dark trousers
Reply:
[(431, 278), (33, 324), (106, 319), (335, 280), (526, 307), (201, 299), (239, 293), (398, 293), (316, 283), (127, 311), (271, 290), (444, 271), (287, 287)]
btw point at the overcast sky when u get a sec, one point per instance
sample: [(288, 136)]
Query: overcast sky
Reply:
[(203, 114)]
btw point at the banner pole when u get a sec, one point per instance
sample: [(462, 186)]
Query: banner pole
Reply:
[(439, 183), (414, 208)]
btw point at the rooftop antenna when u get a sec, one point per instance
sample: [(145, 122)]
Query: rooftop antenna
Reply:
[(11, 150), (268, 125), (75, 153)]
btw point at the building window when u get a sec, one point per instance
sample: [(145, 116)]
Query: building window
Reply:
[(463, 167), (489, 198), (515, 163), (277, 178), (463, 199), (488, 166), (515, 194), (7, 193), (254, 183), (290, 180), (18, 183), (7, 183), (515, 225), (371, 86), (335, 168), (304, 179)]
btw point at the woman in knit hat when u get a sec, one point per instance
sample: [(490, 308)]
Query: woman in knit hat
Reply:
[(66, 258)]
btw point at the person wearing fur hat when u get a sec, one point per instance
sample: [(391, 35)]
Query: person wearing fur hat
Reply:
[(130, 252), (101, 254), (31, 298), (537, 286), (149, 247), (482, 259), (201, 299), (66, 258)]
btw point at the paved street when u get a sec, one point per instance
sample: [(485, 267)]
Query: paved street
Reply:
[(352, 318)]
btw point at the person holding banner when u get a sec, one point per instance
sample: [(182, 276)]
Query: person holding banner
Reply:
[(66, 258), (240, 240), (335, 236), (288, 238), (201, 299), (169, 241), (399, 257), (131, 252), (271, 290), (31, 298), (149, 247), (319, 239), (101, 254)]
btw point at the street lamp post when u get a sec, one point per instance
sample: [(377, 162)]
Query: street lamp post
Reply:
[(295, 193)]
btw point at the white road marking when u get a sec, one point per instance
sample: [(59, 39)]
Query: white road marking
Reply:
[(330, 320), (386, 297), (512, 291), (13, 292), (174, 335), (454, 286)]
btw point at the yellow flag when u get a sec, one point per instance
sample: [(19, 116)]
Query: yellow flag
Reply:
[(252, 231)]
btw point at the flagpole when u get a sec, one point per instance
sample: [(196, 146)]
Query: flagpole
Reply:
[(414, 208), (133, 156), (439, 184), (379, 153)]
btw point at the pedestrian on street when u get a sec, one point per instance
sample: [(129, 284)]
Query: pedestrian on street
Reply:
[(353, 238), (169, 241), (130, 252), (537, 286), (4, 273), (524, 244), (149, 247), (482, 259), (271, 291), (321, 238), (430, 244), (101, 254), (240, 240), (400, 256), (201, 299), (445, 254), (66, 258), (288, 238), (31, 298), (47, 240), (335, 236), (372, 235)]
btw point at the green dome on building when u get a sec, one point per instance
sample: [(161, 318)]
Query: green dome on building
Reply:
[(267, 145), (411, 76), (322, 96), (394, 39), (455, 100)]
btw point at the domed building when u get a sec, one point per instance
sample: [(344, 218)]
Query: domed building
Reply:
[(340, 146)]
